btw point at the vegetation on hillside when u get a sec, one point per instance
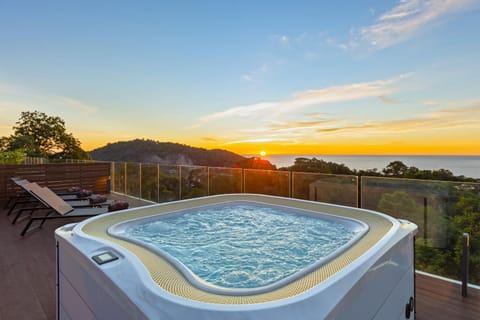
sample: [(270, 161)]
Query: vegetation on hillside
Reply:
[(168, 153), (395, 169)]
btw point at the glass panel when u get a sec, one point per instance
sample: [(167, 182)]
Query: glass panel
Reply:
[(442, 210), (149, 182), (225, 180), (169, 188), (194, 182), (337, 189), (119, 177), (275, 183), (133, 179)]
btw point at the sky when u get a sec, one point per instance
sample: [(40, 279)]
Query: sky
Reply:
[(284, 77)]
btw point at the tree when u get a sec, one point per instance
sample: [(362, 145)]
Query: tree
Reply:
[(255, 163), (395, 169), (40, 135)]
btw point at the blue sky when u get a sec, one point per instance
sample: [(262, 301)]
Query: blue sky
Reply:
[(332, 77)]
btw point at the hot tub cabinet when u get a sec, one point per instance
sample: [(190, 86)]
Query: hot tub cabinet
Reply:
[(104, 276)]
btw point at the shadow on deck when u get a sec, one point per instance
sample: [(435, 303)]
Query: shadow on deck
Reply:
[(27, 278)]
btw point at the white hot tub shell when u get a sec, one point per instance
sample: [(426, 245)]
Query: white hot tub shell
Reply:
[(102, 277)]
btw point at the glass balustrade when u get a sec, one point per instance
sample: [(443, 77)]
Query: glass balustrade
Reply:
[(169, 187), (119, 177), (194, 182), (442, 210), (133, 181), (149, 175), (224, 180), (336, 189), (274, 183)]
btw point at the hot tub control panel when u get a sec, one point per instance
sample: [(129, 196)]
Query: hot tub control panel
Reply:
[(104, 257)]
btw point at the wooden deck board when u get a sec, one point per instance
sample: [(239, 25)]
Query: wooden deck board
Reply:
[(27, 278)]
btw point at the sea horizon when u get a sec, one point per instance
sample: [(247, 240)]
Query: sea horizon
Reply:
[(466, 165)]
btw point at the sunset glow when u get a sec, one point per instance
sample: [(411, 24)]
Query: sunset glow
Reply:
[(383, 77)]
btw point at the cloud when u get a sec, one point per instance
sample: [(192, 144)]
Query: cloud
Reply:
[(258, 140), (240, 111), (210, 139), (354, 91), (77, 105), (437, 119), (22, 99), (9, 89), (253, 75), (301, 125), (318, 127), (387, 99), (9, 107), (282, 39), (247, 77), (408, 17)]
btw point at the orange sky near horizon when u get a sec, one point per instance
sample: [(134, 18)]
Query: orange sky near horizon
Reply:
[(441, 146)]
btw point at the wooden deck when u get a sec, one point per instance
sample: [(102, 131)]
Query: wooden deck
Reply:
[(27, 279)]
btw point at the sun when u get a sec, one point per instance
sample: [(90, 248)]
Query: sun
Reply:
[(263, 153)]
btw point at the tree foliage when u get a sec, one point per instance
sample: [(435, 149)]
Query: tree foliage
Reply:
[(12, 157), (318, 165), (41, 135), (395, 169)]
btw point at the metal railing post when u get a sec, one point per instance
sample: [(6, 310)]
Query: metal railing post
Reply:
[(125, 178), (208, 181), (360, 192), (425, 220), (140, 179), (465, 260), (112, 175), (243, 180), (158, 182), (357, 195), (180, 182), (290, 186)]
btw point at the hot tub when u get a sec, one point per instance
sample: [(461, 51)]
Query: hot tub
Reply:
[(238, 256)]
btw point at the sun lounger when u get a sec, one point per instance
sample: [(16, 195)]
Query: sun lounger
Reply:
[(56, 208), (41, 204), (73, 200), (24, 197)]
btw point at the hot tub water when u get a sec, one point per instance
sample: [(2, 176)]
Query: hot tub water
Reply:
[(243, 245)]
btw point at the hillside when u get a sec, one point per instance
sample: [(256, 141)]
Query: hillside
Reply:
[(150, 151)]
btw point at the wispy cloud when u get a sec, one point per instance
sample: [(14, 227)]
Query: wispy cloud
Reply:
[(10, 107), (408, 17), (76, 105), (284, 40), (443, 118), (435, 119), (257, 140), (252, 76), (210, 139), (387, 99), (306, 98), (20, 98)]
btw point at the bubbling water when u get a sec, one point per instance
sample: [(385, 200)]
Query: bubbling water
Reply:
[(243, 246)]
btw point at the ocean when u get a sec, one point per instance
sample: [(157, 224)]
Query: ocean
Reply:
[(468, 166)]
